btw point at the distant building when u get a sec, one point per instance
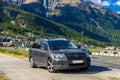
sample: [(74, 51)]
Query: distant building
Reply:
[(111, 48)]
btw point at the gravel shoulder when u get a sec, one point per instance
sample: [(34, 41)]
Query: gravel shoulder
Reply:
[(18, 69)]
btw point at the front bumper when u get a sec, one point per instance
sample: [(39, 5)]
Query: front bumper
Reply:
[(63, 65)]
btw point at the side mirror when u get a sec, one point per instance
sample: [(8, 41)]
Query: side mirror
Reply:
[(79, 46)]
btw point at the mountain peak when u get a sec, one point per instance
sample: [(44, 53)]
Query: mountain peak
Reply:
[(79, 15)]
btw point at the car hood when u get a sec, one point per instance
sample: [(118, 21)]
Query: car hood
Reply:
[(68, 51)]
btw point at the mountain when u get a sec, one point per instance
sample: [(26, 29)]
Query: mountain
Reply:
[(72, 17), (96, 22), (16, 22)]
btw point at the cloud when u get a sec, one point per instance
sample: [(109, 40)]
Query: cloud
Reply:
[(102, 3), (117, 3), (118, 12), (105, 3), (96, 1)]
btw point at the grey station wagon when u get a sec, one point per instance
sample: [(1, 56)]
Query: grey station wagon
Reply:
[(58, 54)]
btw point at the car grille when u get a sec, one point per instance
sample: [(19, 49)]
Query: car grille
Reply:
[(75, 56), (76, 64)]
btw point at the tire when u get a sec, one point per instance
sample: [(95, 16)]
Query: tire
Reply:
[(50, 66), (32, 65)]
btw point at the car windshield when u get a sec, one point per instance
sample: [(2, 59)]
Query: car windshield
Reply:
[(61, 44)]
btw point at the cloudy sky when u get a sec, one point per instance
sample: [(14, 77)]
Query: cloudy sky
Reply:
[(111, 4)]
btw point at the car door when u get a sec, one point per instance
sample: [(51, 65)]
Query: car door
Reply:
[(34, 53), (42, 52)]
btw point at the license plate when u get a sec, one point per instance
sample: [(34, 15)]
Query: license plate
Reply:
[(77, 61)]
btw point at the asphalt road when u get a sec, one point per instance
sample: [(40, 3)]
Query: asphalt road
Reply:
[(18, 69), (105, 63)]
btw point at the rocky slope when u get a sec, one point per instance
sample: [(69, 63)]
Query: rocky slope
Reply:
[(96, 22), (15, 22)]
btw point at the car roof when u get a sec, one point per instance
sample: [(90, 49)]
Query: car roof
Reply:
[(56, 39)]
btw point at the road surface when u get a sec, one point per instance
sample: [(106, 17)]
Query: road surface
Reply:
[(18, 69)]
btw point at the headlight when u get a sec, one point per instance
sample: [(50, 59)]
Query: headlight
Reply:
[(59, 56)]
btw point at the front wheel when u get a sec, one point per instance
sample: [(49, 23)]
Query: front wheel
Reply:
[(32, 65), (50, 65)]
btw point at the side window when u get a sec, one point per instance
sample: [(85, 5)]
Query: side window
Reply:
[(43, 45), (38, 46), (34, 45)]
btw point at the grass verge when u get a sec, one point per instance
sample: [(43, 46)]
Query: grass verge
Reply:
[(13, 53), (114, 78), (3, 77), (94, 50)]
